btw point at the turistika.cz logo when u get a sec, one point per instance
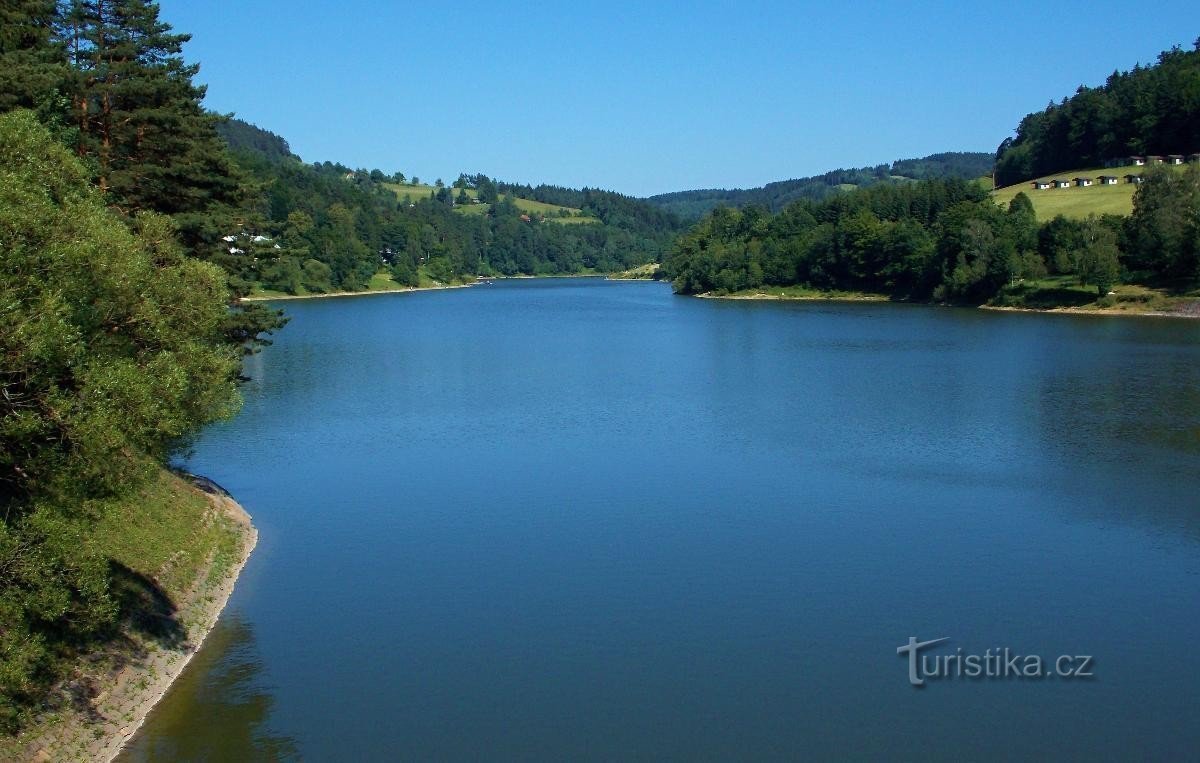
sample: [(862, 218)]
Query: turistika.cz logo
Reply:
[(1000, 662)]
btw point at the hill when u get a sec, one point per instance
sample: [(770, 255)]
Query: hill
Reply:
[(1075, 202), (1149, 110), (775, 196), (415, 192), (242, 136)]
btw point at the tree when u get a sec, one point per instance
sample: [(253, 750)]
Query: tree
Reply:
[(1165, 225), (140, 120), (111, 356), (33, 64), (1097, 263)]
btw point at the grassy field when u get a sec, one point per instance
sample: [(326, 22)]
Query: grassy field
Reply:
[(1075, 202), (533, 208), (415, 192)]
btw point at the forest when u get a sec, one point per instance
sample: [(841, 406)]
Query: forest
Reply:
[(1152, 109), (944, 241), (775, 196), (321, 227)]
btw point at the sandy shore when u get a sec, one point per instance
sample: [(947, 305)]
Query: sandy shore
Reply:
[(99, 731), (370, 293), (799, 298), (1185, 309)]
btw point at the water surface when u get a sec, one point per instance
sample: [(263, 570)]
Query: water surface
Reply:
[(578, 519)]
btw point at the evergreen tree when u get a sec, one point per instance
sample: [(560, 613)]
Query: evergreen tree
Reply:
[(32, 62), (141, 123)]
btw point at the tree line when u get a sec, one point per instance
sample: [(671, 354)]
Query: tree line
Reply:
[(322, 227), (942, 240), (775, 196)]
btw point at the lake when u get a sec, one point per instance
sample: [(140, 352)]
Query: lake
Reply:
[(581, 519)]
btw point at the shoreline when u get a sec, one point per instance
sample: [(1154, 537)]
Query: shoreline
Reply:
[(1193, 314), (112, 718), (1098, 311), (411, 289), (364, 293), (833, 297)]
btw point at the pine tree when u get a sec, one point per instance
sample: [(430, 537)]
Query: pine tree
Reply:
[(143, 129), (32, 63), (141, 122)]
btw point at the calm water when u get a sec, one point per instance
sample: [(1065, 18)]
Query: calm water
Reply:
[(577, 519)]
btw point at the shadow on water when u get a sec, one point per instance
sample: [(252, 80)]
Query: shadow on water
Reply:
[(217, 710)]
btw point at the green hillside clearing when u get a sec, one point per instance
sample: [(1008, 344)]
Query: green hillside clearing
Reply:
[(552, 212), (1078, 203)]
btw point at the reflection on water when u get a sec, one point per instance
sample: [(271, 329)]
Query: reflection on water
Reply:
[(217, 710)]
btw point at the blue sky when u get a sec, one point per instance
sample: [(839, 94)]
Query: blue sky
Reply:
[(645, 97)]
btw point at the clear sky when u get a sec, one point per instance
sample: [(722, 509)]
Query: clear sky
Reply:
[(645, 97)]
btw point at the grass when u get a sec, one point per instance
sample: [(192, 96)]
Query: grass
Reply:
[(415, 192), (533, 208), (383, 281), (163, 542), (166, 532), (646, 272), (1076, 202), (1057, 292)]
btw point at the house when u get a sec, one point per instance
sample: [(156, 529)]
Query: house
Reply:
[(1083, 182), (1109, 180), (1041, 185), (1154, 160), (1060, 183), (1110, 163), (1137, 161), (1133, 179), (1174, 159), (1194, 158)]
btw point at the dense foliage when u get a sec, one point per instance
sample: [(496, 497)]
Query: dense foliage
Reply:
[(323, 227), (1149, 110), (776, 196), (111, 353), (943, 240)]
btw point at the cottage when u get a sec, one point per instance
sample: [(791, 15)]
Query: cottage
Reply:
[(1083, 182), (1137, 161), (1194, 158), (1060, 183), (1109, 180), (1175, 159), (1154, 160), (1133, 179), (1041, 185)]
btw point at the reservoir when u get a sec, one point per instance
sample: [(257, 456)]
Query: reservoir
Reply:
[(586, 519)]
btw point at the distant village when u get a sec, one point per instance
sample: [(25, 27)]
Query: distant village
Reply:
[(1128, 161)]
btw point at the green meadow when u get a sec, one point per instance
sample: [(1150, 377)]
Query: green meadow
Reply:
[(1078, 203), (552, 212)]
